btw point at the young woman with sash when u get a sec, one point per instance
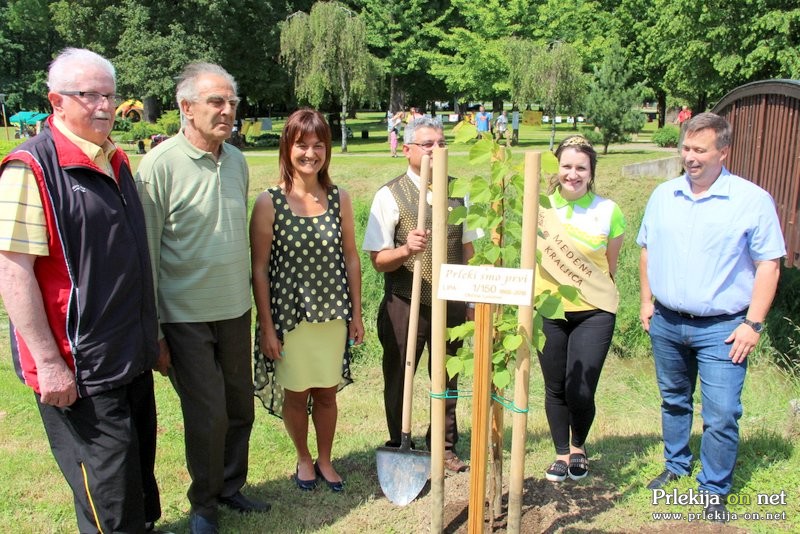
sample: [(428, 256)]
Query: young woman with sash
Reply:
[(581, 238)]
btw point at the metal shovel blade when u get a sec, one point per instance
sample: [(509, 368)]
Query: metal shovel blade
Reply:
[(402, 473)]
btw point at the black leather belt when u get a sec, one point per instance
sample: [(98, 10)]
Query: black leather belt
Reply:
[(685, 315)]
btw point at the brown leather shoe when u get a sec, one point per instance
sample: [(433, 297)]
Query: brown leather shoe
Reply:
[(453, 463)]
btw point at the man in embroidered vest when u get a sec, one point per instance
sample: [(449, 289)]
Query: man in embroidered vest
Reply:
[(711, 246), (392, 240), (194, 193), (76, 282)]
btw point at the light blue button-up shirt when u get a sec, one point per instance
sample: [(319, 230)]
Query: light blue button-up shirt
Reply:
[(701, 250)]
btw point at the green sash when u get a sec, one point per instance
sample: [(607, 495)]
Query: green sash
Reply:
[(569, 266)]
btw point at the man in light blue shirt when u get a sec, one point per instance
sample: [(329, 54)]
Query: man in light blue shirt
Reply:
[(710, 261)]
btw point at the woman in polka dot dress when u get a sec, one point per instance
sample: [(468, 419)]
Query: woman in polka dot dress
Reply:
[(307, 288)]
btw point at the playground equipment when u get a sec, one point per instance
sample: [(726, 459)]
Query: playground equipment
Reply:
[(131, 109)]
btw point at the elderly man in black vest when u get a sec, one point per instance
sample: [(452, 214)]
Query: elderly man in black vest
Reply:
[(392, 240), (76, 281)]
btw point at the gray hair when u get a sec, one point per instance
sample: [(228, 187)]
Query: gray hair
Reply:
[(720, 125), (63, 73), (187, 81), (422, 122)]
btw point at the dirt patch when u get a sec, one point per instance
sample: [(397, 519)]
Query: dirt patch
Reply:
[(546, 508)]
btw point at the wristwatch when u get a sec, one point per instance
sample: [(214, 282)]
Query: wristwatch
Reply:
[(758, 327)]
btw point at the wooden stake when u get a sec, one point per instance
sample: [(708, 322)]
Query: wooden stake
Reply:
[(438, 336), (481, 400), (530, 214)]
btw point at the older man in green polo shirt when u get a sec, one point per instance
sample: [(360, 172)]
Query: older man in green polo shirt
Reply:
[(194, 194)]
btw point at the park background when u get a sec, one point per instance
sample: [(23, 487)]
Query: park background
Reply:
[(664, 53)]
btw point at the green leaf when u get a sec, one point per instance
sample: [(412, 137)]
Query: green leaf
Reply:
[(551, 307), (512, 343), (454, 366), (469, 367), (461, 331), (492, 255), (480, 152), (457, 216), (465, 132), (460, 187), (501, 378), (479, 190), (570, 293), (544, 201)]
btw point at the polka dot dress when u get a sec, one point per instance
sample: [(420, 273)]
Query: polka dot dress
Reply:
[(308, 286), (308, 281)]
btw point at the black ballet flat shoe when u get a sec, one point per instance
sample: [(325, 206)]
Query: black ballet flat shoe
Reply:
[(335, 487), (304, 485)]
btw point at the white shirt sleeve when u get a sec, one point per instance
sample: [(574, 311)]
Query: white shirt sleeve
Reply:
[(383, 218)]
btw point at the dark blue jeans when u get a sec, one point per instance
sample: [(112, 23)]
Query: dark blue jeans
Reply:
[(684, 347), (571, 360)]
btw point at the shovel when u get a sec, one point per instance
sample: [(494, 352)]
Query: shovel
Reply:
[(403, 472)]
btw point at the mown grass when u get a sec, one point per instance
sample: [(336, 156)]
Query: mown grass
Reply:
[(624, 446)]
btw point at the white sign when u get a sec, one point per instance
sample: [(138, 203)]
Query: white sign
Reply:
[(493, 285)]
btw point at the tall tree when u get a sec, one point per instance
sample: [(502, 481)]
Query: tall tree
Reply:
[(550, 75), (470, 55), (613, 100), (28, 42), (397, 34), (326, 54)]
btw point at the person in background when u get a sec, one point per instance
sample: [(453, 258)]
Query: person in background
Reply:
[(501, 128), (76, 282), (683, 115), (708, 271), (307, 289), (193, 188), (591, 228), (392, 239), (395, 122), (483, 120)]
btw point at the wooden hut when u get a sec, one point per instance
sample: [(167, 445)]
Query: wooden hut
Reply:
[(765, 117)]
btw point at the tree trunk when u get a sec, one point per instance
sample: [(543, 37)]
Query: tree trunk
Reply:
[(396, 94), (552, 131), (497, 106), (345, 93), (152, 109), (661, 107), (344, 126)]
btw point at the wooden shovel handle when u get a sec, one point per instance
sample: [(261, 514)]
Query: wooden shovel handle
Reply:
[(413, 321)]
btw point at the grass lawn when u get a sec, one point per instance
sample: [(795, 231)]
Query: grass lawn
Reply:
[(624, 445)]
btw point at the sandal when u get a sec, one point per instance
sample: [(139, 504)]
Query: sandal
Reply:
[(557, 472), (578, 466)]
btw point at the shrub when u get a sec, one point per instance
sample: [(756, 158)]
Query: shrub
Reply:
[(170, 122), (264, 140), (668, 136), (596, 138)]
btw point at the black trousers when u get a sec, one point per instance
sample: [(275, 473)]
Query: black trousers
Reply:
[(393, 317), (572, 359), (212, 373), (105, 446)]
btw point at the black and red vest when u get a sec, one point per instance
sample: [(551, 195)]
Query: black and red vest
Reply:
[(96, 282)]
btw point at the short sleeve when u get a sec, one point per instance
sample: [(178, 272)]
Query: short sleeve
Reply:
[(23, 227)]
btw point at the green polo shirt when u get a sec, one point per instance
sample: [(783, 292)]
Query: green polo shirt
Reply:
[(196, 214)]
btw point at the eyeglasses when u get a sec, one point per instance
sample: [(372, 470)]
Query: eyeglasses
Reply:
[(218, 101), (428, 145), (94, 98)]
